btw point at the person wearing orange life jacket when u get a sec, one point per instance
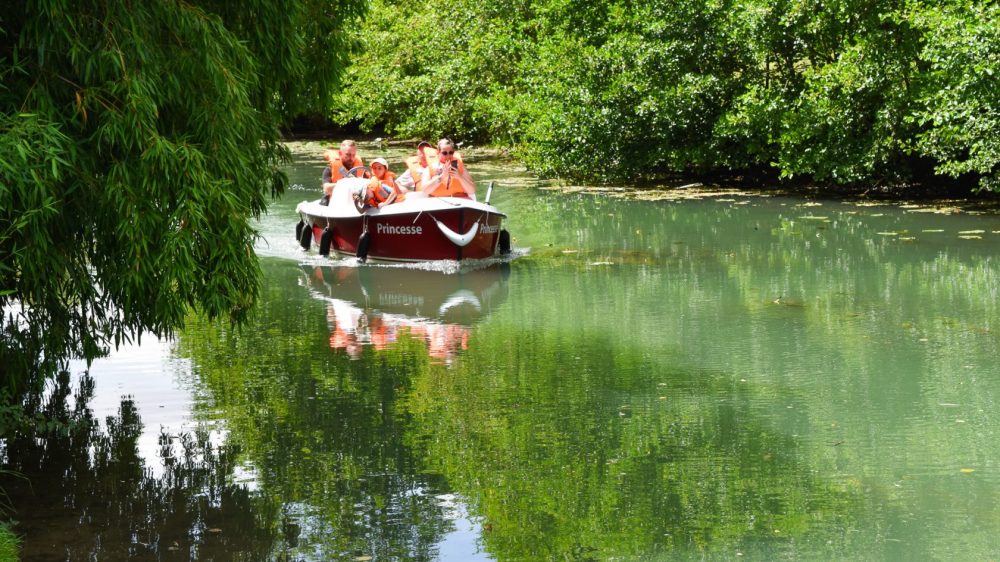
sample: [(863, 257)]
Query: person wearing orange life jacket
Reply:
[(448, 177), (377, 193), (384, 182), (342, 161), (410, 180)]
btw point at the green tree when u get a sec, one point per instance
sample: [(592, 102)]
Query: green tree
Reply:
[(137, 142), (839, 92), (961, 116), (640, 95), (435, 68)]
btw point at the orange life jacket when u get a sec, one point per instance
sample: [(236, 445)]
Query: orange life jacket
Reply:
[(416, 171), (337, 168), (384, 187), (452, 187)]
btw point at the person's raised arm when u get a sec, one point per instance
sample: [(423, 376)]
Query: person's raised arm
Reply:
[(468, 184)]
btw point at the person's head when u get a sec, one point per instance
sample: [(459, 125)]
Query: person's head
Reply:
[(379, 167), (422, 152), (348, 150), (446, 150)]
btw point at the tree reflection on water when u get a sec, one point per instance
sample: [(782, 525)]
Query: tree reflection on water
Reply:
[(81, 492)]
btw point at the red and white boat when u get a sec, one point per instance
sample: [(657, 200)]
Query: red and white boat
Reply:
[(420, 228)]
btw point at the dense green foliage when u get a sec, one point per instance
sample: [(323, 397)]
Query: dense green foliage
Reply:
[(843, 92), (137, 142)]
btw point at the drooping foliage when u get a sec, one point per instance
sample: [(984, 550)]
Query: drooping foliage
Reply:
[(842, 91), (137, 143)]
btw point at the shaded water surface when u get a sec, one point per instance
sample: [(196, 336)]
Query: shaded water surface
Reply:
[(732, 376)]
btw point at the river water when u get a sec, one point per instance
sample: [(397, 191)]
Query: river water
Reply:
[(699, 376)]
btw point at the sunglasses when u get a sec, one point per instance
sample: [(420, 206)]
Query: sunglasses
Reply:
[(447, 153)]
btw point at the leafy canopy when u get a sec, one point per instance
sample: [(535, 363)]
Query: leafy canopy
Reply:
[(137, 143), (839, 91)]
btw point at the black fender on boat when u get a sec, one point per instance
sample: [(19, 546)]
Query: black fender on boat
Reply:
[(306, 236), (503, 245), (298, 229), (363, 243), (324, 242)]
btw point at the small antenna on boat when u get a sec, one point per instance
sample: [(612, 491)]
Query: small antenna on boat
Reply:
[(489, 191)]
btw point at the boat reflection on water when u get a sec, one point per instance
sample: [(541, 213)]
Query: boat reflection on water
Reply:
[(377, 306)]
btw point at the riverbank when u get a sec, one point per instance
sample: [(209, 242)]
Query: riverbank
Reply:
[(809, 197)]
